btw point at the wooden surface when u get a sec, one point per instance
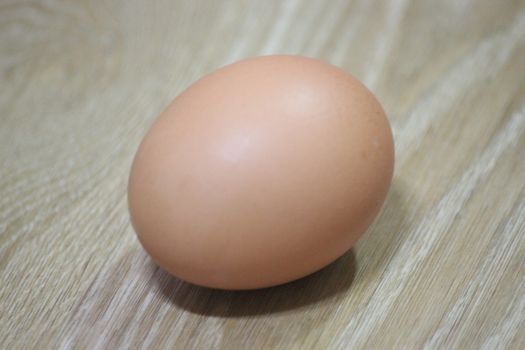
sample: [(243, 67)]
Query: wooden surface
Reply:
[(443, 266)]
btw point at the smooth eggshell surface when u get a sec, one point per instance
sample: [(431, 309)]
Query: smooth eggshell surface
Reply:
[(260, 173)]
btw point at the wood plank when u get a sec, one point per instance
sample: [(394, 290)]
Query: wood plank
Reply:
[(443, 266)]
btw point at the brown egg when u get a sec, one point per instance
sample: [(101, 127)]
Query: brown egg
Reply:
[(260, 173)]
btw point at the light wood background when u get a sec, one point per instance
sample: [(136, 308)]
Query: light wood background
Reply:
[(443, 266)]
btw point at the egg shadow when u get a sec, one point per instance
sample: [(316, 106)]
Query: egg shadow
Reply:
[(321, 285), (389, 230), (331, 282)]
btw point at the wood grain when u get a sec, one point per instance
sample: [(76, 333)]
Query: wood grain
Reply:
[(443, 266)]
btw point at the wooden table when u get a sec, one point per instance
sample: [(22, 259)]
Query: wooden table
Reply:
[(443, 266)]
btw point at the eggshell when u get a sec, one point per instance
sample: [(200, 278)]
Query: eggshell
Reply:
[(260, 173)]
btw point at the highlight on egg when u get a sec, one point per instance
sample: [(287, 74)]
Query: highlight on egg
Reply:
[(261, 173)]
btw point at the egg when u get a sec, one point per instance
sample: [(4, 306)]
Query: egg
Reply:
[(260, 173)]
